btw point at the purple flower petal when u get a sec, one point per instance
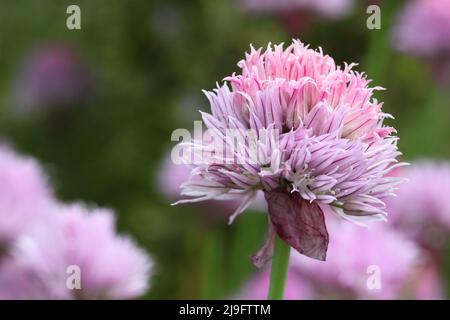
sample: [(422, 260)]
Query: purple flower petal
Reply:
[(299, 222)]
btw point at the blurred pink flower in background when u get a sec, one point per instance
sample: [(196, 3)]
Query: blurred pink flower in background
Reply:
[(422, 208), (24, 195), (326, 8), (320, 139), (429, 283), (403, 270), (52, 76), (352, 252), (423, 29), (41, 238), (111, 266), (296, 15)]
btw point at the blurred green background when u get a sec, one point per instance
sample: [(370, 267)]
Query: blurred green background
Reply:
[(149, 61)]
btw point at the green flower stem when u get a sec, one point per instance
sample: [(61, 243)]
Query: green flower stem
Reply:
[(280, 264), (213, 250)]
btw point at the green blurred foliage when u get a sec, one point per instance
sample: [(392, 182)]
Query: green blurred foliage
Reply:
[(150, 60)]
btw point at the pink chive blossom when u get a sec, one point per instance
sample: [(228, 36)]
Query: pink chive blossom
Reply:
[(326, 8), (24, 195), (310, 133), (111, 266), (172, 176), (422, 208)]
